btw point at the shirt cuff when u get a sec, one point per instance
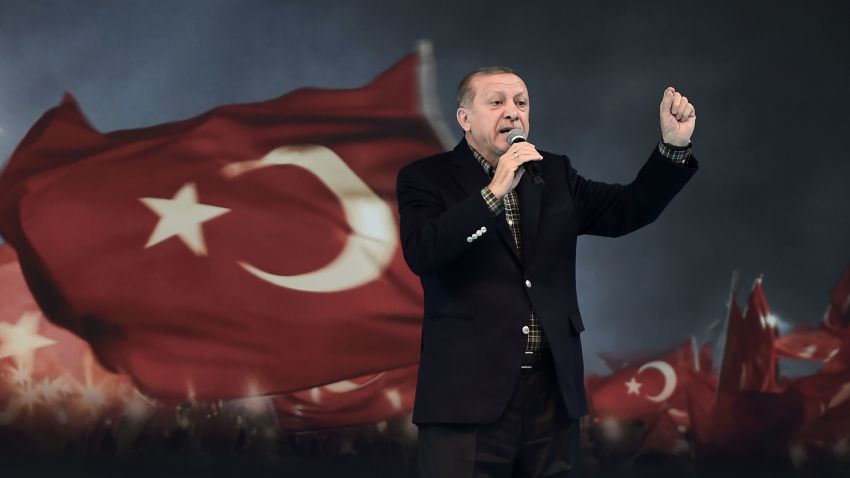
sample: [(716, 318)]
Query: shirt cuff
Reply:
[(494, 204), (676, 154)]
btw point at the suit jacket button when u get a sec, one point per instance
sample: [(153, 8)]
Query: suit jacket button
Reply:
[(469, 239), (528, 283), (483, 229), (525, 329)]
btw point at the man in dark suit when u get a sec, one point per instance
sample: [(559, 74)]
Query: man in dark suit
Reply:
[(501, 377)]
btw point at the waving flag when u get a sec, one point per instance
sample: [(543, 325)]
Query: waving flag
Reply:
[(251, 249), (808, 343), (749, 358), (644, 387)]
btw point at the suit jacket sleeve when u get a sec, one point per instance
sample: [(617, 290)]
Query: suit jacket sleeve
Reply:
[(432, 234), (614, 209)]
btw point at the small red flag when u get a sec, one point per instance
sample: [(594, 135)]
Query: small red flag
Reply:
[(643, 388), (701, 396), (808, 343), (749, 358)]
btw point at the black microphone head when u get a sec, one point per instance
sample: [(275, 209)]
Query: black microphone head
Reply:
[(516, 135)]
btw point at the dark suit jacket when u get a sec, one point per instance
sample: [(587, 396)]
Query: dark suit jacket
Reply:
[(479, 293)]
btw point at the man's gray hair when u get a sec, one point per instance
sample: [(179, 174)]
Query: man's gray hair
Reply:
[(465, 94)]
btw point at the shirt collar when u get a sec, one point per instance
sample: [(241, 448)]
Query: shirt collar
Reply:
[(488, 168)]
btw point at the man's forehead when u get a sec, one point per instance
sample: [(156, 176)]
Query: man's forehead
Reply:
[(500, 82)]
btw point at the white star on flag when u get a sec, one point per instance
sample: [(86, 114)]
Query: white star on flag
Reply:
[(182, 216), (21, 340), (633, 386)]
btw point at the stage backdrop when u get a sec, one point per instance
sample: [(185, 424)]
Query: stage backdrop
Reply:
[(768, 81)]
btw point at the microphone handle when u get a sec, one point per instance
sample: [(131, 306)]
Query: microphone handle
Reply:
[(532, 168)]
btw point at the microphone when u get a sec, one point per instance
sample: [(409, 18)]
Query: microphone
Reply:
[(532, 168)]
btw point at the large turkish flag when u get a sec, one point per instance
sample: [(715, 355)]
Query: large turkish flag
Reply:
[(250, 250)]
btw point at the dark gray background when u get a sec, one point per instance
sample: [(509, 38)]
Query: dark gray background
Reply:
[(769, 81)]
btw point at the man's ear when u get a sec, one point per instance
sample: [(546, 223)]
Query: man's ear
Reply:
[(463, 118)]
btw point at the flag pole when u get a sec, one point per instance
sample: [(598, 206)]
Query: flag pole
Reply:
[(695, 352), (429, 101), (733, 286)]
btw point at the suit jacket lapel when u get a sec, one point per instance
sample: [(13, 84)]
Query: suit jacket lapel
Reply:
[(530, 195), (472, 179)]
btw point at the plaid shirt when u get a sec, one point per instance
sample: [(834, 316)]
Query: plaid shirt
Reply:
[(509, 204)]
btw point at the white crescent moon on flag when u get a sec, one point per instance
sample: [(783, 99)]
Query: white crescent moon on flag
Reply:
[(370, 246), (669, 379)]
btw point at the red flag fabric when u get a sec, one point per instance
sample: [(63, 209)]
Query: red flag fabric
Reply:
[(683, 355), (836, 323), (808, 343), (7, 254), (746, 423), (839, 361), (837, 316), (749, 358), (644, 388), (822, 392), (733, 350), (49, 379), (666, 433), (701, 397), (363, 400), (828, 439), (249, 250)]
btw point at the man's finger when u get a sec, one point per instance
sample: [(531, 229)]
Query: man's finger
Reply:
[(522, 148), (667, 99), (529, 154), (523, 156), (677, 103), (683, 108)]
